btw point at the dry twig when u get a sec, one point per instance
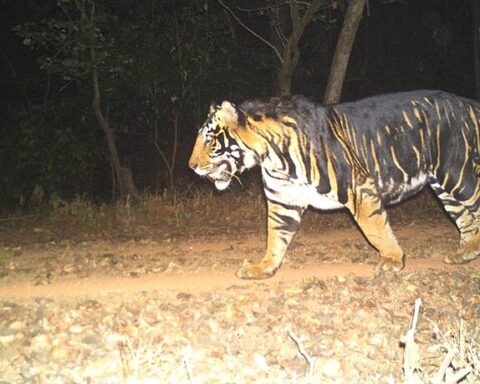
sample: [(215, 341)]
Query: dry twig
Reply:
[(310, 360), (187, 362), (410, 354)]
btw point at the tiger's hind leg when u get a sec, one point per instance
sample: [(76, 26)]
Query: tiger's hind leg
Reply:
[(367, 209), (464, 209)]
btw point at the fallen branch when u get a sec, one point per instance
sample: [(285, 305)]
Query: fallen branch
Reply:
[(460, 361), (187, 362), (460, 375), (444, 366), (410, 354), (310, 360)]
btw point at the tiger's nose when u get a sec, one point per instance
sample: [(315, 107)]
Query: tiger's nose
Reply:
[(192, 164)]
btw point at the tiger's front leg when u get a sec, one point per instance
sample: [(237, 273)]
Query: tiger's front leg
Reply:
[(282, 224)]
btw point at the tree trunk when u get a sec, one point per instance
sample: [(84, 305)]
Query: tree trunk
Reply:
[(287, 67), (338, 69), (291, 52), (476, 45), (124, 176)]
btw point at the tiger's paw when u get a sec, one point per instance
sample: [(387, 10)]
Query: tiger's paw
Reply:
[(389, 265), (460, 258), (250, 271)]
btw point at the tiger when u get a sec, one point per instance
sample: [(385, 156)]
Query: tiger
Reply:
[(362, 155)]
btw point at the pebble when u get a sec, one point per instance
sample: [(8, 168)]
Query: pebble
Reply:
[(40, 341), (91, 340), (6, 338), (59, 353), (330, 368), (35, 329), (16, 325), (377, 340), (8, 353), (260, 361), (75, 329), (361, 314), (341, 279)]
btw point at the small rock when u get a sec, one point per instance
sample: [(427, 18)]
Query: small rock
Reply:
[(40, 341), (6, 339), (43, 301), (91, 340), (8, 354), (260, 361), (70, 268), (361, 314), (114, 339), (411, 288), (59, 353), (329, 368), (183, 296), (376, 340), (35, 329), (172, 267), (8, 305), (16, 325), (360, 280), (75, 329)]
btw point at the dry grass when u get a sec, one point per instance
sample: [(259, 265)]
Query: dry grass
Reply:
[(457, 354), (184, 213), (457, 351)]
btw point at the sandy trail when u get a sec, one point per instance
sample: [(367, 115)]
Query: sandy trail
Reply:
[(172, 283)]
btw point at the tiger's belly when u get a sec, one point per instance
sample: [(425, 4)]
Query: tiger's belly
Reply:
[(300, 195), (393, 192)]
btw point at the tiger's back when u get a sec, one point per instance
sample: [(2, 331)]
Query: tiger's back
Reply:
[(404, 140)]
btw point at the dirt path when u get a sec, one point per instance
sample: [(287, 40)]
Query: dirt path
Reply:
[(172, 283), (202, 266)]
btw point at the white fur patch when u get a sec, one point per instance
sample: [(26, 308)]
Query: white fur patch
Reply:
[(408, 189), (302, 195)]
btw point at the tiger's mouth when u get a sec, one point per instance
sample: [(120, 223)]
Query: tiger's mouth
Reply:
[(221, 176)]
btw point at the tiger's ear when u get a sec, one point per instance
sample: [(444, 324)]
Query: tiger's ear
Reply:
[(231, 115), (213, 107)]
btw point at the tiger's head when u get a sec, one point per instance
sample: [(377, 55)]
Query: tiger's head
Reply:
[(219, 152)]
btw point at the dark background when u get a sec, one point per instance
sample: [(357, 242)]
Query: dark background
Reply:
[(163, 62)]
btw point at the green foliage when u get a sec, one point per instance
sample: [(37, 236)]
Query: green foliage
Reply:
[(63, 42), (47, 148), (159, 68)]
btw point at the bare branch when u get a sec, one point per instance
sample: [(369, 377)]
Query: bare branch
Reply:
[(305, 3), (306, 18), (159, 150), (280, 34), (275, 13), (247, 28)]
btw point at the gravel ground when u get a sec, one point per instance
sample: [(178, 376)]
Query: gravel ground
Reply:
[(347, 329)]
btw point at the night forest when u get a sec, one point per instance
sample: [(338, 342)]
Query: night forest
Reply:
[(120, 264), (96, 92)]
